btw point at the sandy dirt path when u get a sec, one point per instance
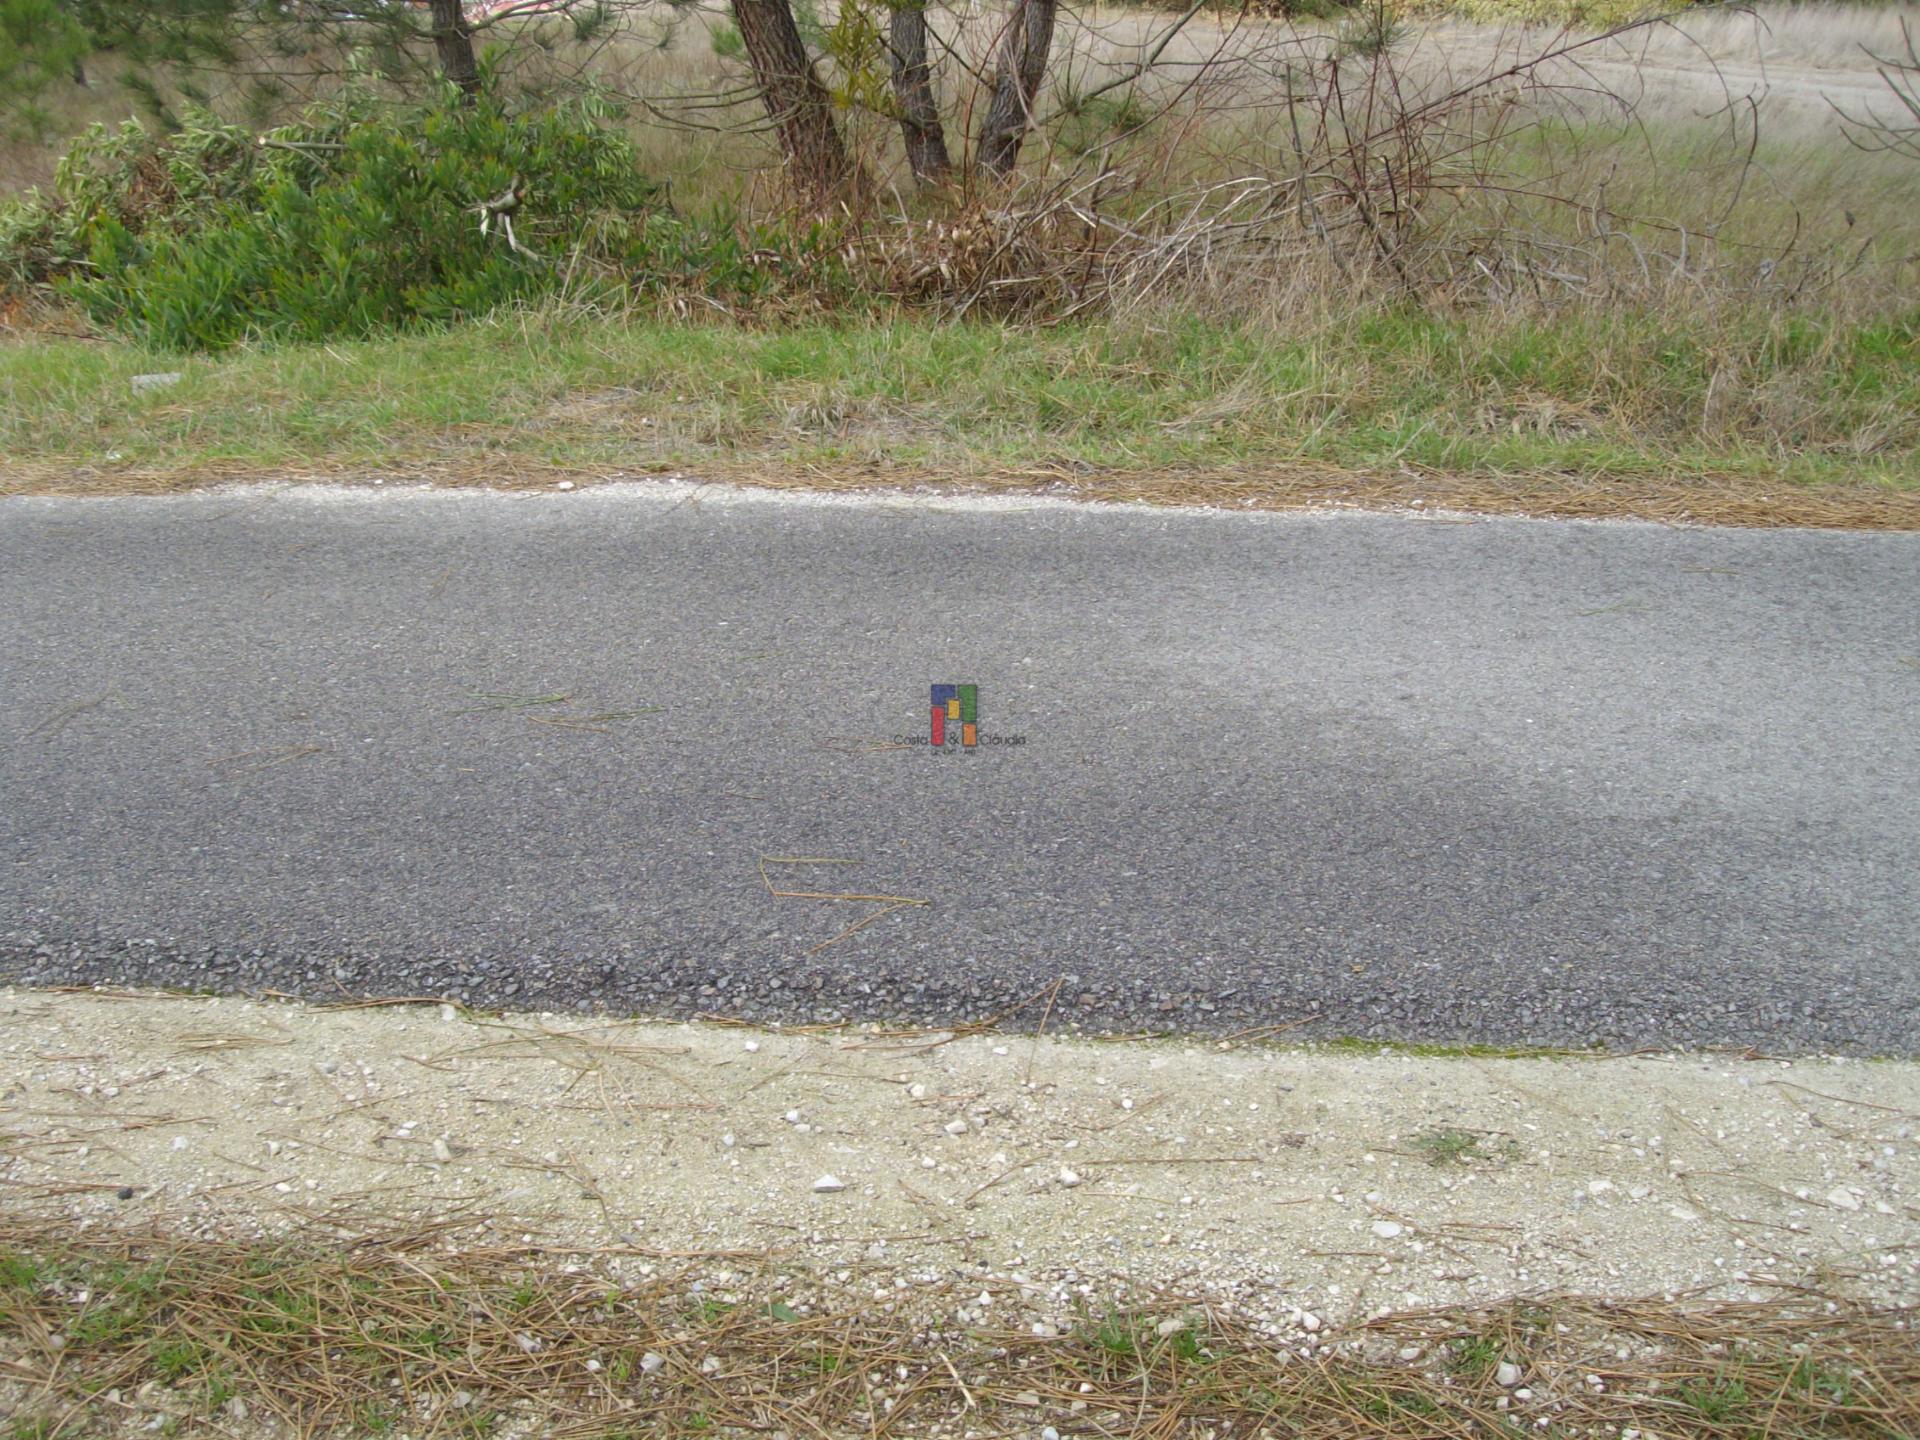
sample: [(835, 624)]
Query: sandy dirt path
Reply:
[(1796, 63), (1290, 1183)]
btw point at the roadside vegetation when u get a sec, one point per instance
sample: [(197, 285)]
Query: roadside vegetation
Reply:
[(1588, 415), (1369, 254), (385, 1329)]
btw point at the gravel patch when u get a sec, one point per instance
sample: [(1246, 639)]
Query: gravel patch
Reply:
[(1309, 1188)]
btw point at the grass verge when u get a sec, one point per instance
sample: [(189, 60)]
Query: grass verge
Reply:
[(402, 1330), (1760, 419)]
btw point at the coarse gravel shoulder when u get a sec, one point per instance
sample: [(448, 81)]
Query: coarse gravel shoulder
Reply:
[(662, 749), (1305, 1187)]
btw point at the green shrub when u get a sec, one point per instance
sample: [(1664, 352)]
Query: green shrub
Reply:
[(362, 220), (130, 177), (345, 225)]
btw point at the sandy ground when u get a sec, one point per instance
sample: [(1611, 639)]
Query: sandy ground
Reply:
[(1795, 63), (1291, 1183)]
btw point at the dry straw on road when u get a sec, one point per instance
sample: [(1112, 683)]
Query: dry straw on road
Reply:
[(1685, 499), (1680, 499), (434, 1329)]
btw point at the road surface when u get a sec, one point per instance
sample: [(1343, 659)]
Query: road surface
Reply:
[(1410, 778)]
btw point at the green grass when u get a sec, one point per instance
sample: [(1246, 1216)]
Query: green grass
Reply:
[(1125, 1337), (1477, 1355), (1449, 1146), (20, 1272), (125, 1300), (1766, 397), (1831, 1382), (176, 1360), (1384, 1404), (1719, 1401)]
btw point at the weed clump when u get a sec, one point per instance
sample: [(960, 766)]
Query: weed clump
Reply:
[(1451, 1146), (354, 222)]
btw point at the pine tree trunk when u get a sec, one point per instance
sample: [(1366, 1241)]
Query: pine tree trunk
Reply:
[(913, 92), (453, 42), (1018, 71), (796, 101)]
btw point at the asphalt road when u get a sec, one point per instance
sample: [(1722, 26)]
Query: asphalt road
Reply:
[(1499, 781)]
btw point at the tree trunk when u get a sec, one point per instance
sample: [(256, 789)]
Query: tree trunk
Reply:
[(913, 92), (453, 42), (796, 101), (1018, 70)]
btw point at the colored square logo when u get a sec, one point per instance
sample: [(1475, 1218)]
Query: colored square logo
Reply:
[(958, 706)]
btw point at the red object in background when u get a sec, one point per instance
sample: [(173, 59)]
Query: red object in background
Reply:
[(939, 725)]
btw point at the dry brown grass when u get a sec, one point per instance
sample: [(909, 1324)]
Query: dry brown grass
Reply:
[(1683, 499), (442, 1328), (1225, 153)]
